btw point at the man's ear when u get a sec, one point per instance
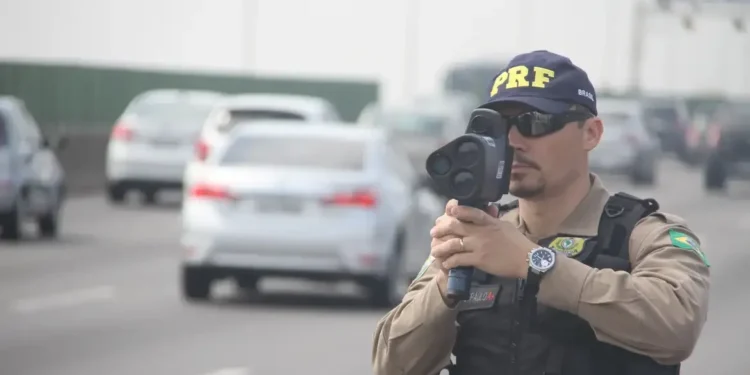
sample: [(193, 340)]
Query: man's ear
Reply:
[(592, 133)]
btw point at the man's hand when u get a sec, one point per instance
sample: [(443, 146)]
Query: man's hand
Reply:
[(489, 244)]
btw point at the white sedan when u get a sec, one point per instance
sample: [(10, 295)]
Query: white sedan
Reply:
[(325, 201), (153, 140)]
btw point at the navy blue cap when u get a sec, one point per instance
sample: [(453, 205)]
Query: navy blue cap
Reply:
[(543, 80)]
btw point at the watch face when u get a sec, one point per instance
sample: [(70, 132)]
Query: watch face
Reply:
[(542, 259)]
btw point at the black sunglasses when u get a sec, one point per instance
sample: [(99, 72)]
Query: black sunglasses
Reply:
[(536, 124)]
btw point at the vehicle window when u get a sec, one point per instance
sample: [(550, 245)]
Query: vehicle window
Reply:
[(235, 116), (405, 122), (255, 114), (311, 152), (4, 132), (668, 115), (174, 113)]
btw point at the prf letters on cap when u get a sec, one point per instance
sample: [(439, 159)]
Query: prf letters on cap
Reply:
[(518, 76)]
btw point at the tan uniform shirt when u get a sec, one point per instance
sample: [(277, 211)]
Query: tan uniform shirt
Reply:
[(657, 310)]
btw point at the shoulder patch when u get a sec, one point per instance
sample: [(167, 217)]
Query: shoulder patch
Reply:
[(686, 242), (425, 266)]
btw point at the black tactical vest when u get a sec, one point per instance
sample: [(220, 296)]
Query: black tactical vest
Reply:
[(503, 331)]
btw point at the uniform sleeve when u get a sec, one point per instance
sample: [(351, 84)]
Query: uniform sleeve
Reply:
[(417, 336), (659, 309)]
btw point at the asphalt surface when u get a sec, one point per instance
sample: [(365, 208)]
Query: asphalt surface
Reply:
[(104, 299)]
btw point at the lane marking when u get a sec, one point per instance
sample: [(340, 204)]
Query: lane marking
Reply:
[(67, 299), (230, 371)]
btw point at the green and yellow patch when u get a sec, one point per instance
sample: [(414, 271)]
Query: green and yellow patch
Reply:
[(686, 242), (570, 246)]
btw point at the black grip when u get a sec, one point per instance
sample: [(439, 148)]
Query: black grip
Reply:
[(459, 278)]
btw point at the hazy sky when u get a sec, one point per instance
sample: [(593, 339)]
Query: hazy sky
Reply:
[(404, 43)]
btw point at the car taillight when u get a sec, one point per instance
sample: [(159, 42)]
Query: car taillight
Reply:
[(692, 137), (365, 199), (201, 150), (122, 132), (206, 191), (713, 135)]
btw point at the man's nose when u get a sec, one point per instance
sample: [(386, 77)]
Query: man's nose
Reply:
[(516, 140)]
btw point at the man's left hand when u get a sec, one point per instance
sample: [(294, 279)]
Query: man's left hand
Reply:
[(492, 245)]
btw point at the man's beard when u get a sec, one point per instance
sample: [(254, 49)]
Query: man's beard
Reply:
[(527, 192)]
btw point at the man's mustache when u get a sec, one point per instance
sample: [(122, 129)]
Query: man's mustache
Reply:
[(521, 159)]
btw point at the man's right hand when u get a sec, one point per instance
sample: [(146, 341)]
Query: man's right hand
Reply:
[(442, 277)]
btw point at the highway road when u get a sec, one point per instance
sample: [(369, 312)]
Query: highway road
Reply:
[(104, 299)]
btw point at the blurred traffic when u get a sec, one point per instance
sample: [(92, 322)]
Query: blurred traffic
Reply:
[(262, 228)]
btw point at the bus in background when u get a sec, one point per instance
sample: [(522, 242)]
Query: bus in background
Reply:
[(472, 77)]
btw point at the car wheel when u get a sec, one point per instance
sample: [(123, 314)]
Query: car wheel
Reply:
[(11, 225), (116, 194), (714, 175), (196, 284), (247, 283), (48, 224), (388, 290), (149, 196)]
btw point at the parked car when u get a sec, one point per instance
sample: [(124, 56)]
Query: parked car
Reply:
[(32, 181), (729, 157), (697, 139), (668, 119), (254, 107), (153, 140), (626, 146), (701, 129), (327, 201)]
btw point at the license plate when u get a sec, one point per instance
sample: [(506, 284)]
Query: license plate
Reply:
[(286, 205), (165, 142)]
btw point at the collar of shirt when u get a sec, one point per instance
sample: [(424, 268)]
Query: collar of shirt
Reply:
[(583, 221)]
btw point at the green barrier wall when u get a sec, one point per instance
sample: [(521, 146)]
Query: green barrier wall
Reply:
[(94, 97)]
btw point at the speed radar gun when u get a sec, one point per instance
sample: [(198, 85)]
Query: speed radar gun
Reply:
[(473, 169)]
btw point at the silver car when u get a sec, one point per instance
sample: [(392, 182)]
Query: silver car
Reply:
[(32, 181), (626, 146), (325, 201), (153, 140)]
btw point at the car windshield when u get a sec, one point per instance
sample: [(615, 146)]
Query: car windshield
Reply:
[(310, 152), (410, 122), (176, 113), (666, 114)]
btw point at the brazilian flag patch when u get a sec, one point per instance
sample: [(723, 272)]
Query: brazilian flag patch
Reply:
[(685, 242)]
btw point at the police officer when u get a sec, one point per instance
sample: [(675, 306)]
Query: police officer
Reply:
[(570, 280)]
